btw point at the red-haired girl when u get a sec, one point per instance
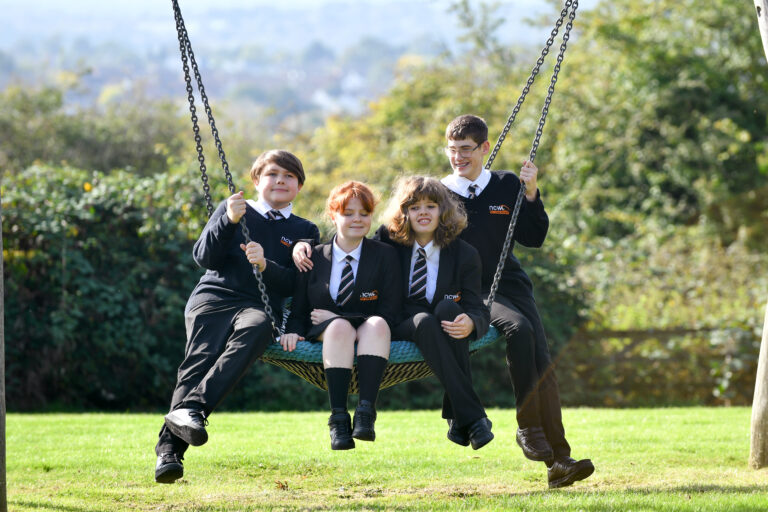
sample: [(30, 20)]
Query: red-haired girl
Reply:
[(352, 296)]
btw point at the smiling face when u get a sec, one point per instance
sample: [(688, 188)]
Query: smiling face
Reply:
[(466, 157), (277, 186), (424, 216), (352, 223)]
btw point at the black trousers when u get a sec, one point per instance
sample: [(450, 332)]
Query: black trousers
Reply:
[(223, 339), (448, 358), (531, 369)]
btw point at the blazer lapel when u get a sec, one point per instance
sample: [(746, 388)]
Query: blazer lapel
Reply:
[(444, 273), (405, 252), (365, 269), (324, 269)]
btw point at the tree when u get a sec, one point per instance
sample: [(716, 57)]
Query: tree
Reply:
[(37, 127), (96, 272)]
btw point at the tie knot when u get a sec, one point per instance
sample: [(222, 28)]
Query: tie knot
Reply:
[(472, 191), (349, 258), (274, 214), (422, 252)]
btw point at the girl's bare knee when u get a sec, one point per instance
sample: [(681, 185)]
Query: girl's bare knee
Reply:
[(375, 327), (340, 329)]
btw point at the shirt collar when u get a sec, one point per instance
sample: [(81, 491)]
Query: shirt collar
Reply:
[(430, 249), (339, 254), (263, 207), (460, 185)]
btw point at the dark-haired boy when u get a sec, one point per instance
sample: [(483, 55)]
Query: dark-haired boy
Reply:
[(227, 326), (489, 198)]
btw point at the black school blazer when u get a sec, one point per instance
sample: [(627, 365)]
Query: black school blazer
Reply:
[(458, 279), (377, 290)]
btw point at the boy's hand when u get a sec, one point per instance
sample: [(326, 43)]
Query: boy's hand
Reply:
[(319, 316), (255, 254), (528, 173), (235, 207), (461, 327), (288, 341), (302, 252)]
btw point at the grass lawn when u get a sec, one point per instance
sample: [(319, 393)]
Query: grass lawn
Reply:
[(646, 459)]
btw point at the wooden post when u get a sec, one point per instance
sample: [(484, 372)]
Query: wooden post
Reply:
[(3, 493), (761, 6), (758, 453)]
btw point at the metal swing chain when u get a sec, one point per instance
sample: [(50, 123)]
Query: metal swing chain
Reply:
[(188, 56), (193, 111), (540, 129)]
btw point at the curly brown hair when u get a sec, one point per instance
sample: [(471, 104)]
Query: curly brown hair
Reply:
[(412, 189)]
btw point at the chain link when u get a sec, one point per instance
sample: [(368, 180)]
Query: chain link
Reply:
[(187, 58), (529, 83), (193, 112), (570, 5)]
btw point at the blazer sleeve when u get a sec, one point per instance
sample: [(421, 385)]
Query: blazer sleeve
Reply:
[(469, 272), (532, 223), (282, 279), (382, 235), (298, 320), (389, 305), (210, 250)]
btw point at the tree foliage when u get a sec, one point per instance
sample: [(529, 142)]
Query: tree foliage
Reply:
[(37, 125), (97, 267)]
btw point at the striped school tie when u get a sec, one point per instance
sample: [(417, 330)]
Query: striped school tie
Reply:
[(274, 215), (347, 283), (472, 191), (418, 289)]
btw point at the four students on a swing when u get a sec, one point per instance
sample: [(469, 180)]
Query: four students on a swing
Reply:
[(445, 245)]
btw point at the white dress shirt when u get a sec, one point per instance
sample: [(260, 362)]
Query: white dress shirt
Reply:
[(263, 207), (461, 185), (433, 264), (337, 266)]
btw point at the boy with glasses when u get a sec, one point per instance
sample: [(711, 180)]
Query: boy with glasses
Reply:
[(489, 198)]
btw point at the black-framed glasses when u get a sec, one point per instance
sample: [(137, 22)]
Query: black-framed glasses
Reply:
[(462, 151)]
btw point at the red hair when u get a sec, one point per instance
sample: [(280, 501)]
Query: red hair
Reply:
[(342, 194)]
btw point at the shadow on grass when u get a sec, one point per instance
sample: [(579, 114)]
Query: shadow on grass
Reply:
[(45, 506), (683, 489)]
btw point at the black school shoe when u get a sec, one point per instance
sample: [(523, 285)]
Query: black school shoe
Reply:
[(340, 425), (480, 433), (565, 471), (534, 444), (365, 417), (189, 425), (456, 434), (169, 468)]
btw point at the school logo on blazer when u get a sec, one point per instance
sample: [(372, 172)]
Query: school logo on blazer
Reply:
[(455, 297), (285, 241), (498, 209), (372, 295)]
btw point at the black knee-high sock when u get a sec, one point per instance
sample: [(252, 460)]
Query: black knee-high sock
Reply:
[(370, 370), (338, 386)]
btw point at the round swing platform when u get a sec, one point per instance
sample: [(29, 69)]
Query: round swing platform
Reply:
[(405, 361)]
